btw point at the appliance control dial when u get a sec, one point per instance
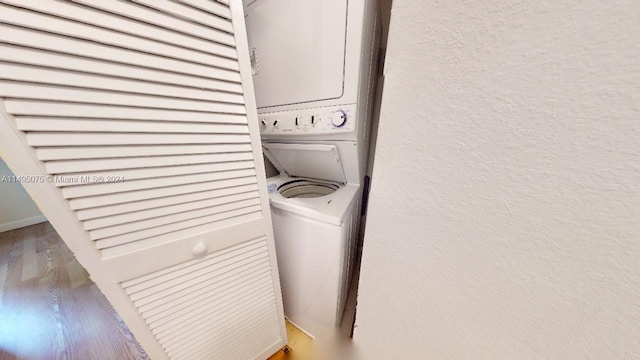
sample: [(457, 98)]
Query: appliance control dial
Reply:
[(339, 118)]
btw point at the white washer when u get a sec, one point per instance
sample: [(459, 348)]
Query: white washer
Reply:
[(315, 214), (314, 64)]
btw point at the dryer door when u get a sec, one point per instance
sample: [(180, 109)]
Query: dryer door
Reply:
[(297, 49)]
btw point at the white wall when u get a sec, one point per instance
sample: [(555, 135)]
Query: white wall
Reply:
[(16, 207), (504, 220)]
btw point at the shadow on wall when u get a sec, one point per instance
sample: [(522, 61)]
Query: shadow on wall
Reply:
[(17, 210)]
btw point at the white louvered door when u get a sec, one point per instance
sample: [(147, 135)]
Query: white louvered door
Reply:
[(137, 121)]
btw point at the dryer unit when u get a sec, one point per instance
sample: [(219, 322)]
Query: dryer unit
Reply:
[(314, 67)]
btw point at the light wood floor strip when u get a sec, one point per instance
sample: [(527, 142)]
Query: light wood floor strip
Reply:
[(5, 248), (29, 256), (50, 309), (300, 346)]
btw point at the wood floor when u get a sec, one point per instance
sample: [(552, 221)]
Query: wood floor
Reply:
[(50, 309), (300, 346)]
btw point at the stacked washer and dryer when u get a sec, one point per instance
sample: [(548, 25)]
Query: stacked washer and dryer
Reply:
[(314, 68)]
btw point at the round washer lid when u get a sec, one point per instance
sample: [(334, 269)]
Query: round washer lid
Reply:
[(315, 161)]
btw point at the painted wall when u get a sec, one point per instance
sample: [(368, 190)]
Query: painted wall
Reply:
[(16, 207), (504, 220)]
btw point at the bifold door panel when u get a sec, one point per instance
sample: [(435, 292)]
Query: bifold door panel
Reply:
[(136, 124)]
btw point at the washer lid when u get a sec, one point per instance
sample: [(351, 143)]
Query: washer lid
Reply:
[(315, 161)]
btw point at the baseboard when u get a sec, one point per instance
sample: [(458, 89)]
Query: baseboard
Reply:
[(22, 223), (299, 328)]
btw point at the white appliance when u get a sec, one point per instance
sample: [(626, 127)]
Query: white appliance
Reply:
[(314, 64)]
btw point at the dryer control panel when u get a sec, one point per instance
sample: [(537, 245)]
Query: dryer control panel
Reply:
[(316, 121)]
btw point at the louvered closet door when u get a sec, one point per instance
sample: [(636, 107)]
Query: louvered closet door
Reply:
[(139, 116)]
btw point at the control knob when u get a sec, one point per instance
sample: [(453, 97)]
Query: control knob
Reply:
[(339, 118)]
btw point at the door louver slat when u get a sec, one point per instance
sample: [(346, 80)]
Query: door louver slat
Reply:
[(154, 213), (190, 227), (58, 77), (173, 286), (250, 280), (175, 218), (68, 27), (36, 57), (226, 283), (98, 111), (177, 231), (147, 173), (212, 7), (119, 198), (146, 283), (38, 139), (225, 69), (11, 89), (70, 166), (84, 125), (126, 186), (183, 11), (171, 15), (83, 152), (188, 346), (140, 206)]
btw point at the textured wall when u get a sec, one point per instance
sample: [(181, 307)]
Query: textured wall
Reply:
[(16, 207), (505, 207)]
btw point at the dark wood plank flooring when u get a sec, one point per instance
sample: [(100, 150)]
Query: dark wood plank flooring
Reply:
[(50, 309)]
